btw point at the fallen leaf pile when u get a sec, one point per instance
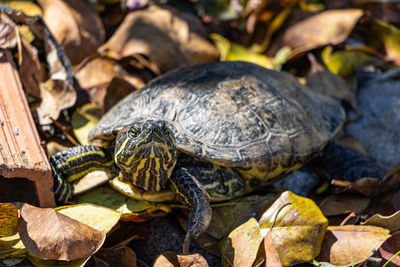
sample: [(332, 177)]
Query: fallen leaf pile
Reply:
[(77, 59)]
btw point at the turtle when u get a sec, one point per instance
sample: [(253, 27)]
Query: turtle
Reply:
[(209, 132)]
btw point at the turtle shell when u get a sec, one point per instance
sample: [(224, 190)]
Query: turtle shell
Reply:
[(232, 113)]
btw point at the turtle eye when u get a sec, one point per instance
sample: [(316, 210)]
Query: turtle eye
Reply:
[(133, 132)]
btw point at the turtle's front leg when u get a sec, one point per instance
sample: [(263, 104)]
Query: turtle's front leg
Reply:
[(74, 163), (191, 193)]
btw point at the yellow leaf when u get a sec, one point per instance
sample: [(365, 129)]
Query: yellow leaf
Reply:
[(235, 52), (298, 229), (107, 197), (84, 119), (246, 240), (11, 246), (390, 36), (100, 218), (50, 263), (344, 62), (29, 8), (8, 219)]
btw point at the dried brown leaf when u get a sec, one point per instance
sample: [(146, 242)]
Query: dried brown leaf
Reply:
[(391, 247), (366, 186), (116, 90), (392, 222), (271, 255), (171, 259), (119, 256), (161, 36), (125, 232), (351, 244), (56, 96), (343, 204), (327, 27), (246, 240), (8, 219), (76, 27), (30, 70), (51, 235), (95, 75)]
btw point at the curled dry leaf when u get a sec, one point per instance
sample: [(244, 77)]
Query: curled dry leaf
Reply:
[(327, 27), (171, 259), (350, 245), (64, 238), (30, 70), (160, 35), (76, 27), (56, 96), (298, 230), (8, 219), (392, 222), (343, 204), (57, 93)]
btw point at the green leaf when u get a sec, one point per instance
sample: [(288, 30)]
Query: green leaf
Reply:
[(225, 214)]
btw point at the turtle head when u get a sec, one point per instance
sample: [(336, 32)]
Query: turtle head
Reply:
[(146, 154)]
